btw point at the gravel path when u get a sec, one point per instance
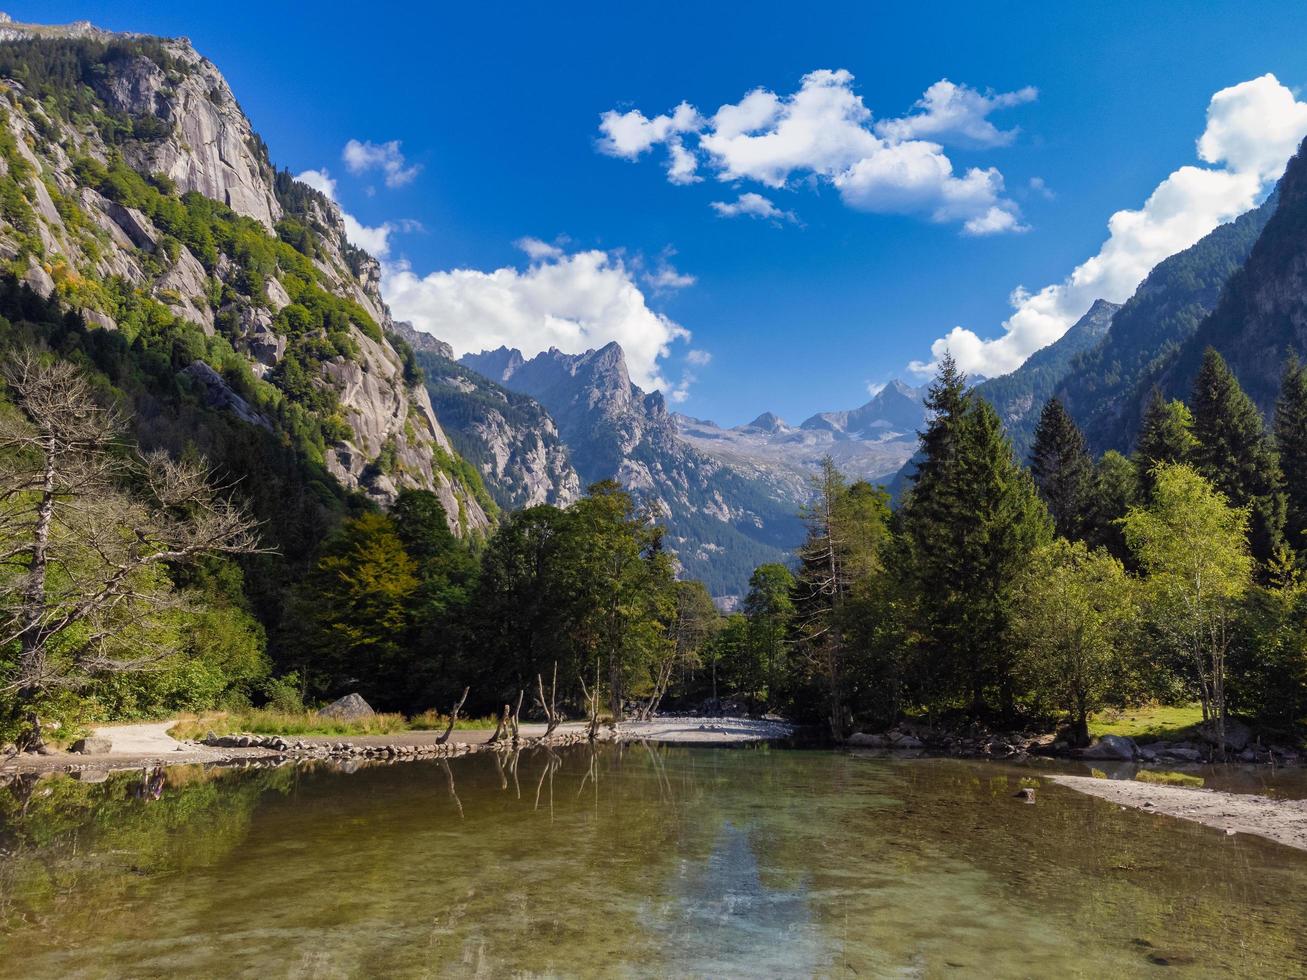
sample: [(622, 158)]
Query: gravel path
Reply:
[(1283, 821)]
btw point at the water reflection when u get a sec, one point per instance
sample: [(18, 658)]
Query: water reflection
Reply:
[(632, 860)]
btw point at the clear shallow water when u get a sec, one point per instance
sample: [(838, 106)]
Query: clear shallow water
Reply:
[(632, 862)]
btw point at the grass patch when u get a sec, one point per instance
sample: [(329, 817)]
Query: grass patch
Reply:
[(263, 721), (1098, 773), (1149, 723), (1168, 778)]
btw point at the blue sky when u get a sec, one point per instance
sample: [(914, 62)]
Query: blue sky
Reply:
[(499, 108)]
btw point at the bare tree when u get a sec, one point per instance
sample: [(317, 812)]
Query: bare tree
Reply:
[(549, 705), (453, 718), (88, 530)]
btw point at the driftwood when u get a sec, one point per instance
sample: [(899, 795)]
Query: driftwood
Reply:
[(592, 704), (550, 705), (453, 717), (500, 727), (513, 721)]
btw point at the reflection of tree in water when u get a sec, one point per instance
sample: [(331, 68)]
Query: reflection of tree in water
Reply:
[(69, 845)]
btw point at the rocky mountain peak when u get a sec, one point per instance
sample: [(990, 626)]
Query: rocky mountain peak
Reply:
[(768, 422), (498, 365)]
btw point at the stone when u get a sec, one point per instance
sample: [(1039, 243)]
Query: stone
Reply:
[(349, 707), (93, 745), (869, 741), (1187, 754), (1237, 736), (1112, 747), (908, 742)]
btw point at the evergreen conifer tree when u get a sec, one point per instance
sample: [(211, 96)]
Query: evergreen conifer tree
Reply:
[(966, 529), (1235, 453), (1291, 441), (1063, 470), (1165, 436)]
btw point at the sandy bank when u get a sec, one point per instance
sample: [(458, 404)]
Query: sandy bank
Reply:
[(707, 731), (149, 744), (1283, 821)]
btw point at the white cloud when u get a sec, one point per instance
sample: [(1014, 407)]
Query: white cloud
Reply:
[(1039, 186), (361, 157), (666, 278), (752, 205), (699, 358), (373, 240), (573, 301), (1252, 130), (874, 388), (824, 132), (957, 113), (629, 134)]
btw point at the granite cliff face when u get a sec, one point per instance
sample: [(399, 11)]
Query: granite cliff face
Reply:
[(509, 437), (721, 523), (110, 143)]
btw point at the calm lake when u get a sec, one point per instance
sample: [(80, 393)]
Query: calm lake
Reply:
[(629, 861)]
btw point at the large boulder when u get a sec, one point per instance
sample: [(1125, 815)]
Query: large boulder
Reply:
[(869, 741), (1237, 735), (348, 708), (1112, 747), (93, 745)]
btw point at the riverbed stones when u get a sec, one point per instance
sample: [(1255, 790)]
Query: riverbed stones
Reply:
[(93, 745), (348, 708), (1112, 747)]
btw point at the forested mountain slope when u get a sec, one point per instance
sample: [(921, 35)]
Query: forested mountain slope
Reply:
[(1018, 397), (1106, 387), (1262, 314), (134, 192)]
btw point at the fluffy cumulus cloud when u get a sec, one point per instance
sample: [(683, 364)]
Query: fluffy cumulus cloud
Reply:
[(751, 205), (1252, 129), (570, 300), (956, 113), (825, 132), (372, 239), (363, 156)]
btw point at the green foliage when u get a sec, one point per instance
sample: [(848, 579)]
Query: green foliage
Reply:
[(1168, 778), (1165, 436), (1063, 471), (1291, 442), (1107, 388), (1236, 455), (1073, 614), (1192, 546), (65, 75), (966, 529)]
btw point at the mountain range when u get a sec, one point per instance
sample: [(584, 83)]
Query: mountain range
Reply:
[(222, 298)]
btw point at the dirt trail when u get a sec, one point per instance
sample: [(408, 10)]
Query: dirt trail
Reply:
[(1283, 821)]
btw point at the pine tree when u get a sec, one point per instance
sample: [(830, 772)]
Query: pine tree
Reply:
[(1235, 453), (1291, 441), (966, 530), (1165, 436), (1063, 470), (1116, 490)]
